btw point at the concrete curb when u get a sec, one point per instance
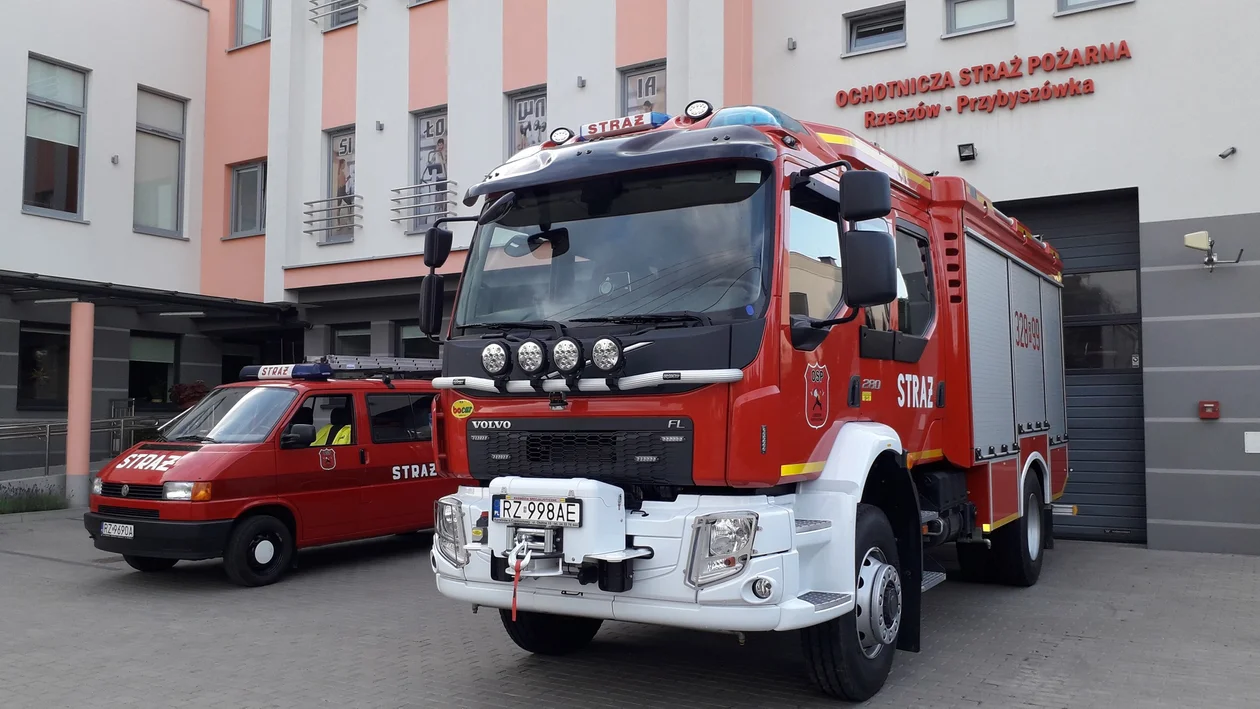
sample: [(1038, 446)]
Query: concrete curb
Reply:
[(67, 513)]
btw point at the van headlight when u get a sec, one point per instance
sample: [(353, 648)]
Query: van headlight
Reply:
[(196, 492), (96, 486), (448, 523), (720, 546)]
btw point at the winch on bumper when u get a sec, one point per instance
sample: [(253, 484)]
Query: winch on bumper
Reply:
[(710, 562)]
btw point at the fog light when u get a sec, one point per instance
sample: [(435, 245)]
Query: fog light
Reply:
[(762, 588), (532, 357), (606, 355), (566, 355), (496, 359)]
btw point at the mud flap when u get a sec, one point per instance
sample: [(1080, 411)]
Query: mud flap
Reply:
[(1047, 526)]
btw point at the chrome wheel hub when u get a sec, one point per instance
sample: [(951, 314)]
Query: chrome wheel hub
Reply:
[(878, 603), (1032, 510)]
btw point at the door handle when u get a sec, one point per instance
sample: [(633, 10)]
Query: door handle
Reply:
[(363, 456)]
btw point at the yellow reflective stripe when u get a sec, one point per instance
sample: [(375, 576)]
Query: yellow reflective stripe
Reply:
[(875, 154), (913, 458), (990, 527), (788, 471)]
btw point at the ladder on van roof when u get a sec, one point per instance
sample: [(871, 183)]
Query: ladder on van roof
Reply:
[(398, 367)]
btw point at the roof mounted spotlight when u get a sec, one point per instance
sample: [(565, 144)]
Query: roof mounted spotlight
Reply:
[(698, 109), (967, 152), (561, 135)]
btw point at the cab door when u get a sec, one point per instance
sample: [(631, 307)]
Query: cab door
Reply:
[(401, 481), (322, 480)]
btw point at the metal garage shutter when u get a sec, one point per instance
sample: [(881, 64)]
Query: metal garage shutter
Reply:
[(1097, 236)]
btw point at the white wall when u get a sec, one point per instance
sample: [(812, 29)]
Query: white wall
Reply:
[(165, 50), (695, 41), (1157, 121), (581, 41)]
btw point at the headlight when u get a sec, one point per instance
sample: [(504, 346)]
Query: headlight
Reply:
[(722, 544), (195, 492), (566, 354), (532, 357), (96, 486), (448, 523), (606, 354), (496, 359)]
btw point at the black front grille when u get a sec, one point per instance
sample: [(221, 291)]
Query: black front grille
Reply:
[(661, 455), (133, 512), (133, 492)]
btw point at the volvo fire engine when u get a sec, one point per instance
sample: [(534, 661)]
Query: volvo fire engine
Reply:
[(731, 371)]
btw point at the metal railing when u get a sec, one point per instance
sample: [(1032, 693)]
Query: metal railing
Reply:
[(124, 432), (329, 8), (334, 218), (421, 205)]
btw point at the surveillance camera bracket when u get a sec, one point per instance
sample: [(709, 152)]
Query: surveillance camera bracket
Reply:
[(1211, 260)]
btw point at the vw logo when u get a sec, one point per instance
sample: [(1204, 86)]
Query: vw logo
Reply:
[(125, 489)]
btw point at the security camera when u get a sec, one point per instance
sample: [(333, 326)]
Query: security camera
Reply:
[(1228, 152)]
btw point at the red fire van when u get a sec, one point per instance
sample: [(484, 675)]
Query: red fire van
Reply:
[(295, 456)]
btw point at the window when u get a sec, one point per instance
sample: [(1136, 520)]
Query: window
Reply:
[(43, 365), (341, 184), (1105, 293), (1069, 5), (432, 196), (814, 285), (352, 340), (643, 90), (249, 199), (400, 418), (413, 343), (964, 15), (916, 305), (159, 164), (152, 369), (528, 120), (234, 415), (1101, 325), (52, 178), (332, 417), (884, 27), (1116, 346), (253, 21), (344, 12)]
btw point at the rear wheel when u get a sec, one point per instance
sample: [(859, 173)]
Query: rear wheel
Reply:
[(546, 634), (1019, 546), (850, 657), (149, 563), (259, 551)]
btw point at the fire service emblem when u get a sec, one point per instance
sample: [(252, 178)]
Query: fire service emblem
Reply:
[(817, 398), (327, 458)]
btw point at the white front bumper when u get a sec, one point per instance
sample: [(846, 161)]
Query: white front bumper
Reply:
[(660, 593)]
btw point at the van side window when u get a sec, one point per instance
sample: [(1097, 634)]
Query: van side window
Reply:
[(814, 284), (400, 418), (915, 305), (332, 417)]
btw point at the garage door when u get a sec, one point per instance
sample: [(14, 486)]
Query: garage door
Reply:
[(1097, 236)]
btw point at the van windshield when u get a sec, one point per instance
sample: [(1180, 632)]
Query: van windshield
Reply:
[(233, 415)]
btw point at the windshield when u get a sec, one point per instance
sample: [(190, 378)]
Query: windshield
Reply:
[(693, 239), (233, 415)]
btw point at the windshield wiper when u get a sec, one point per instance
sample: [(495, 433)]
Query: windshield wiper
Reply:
[(522, 325), (644, 318), (194, 437)]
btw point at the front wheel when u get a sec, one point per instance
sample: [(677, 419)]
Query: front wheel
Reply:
[(149, 563), (850, 657), (546, 634), (259, 551)]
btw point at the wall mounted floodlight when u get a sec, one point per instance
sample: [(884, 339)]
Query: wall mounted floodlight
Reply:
[(1202, 241), (967, 152)]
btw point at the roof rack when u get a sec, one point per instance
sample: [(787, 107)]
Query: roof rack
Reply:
[(365, 366)]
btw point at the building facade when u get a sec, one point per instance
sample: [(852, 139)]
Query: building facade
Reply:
[(319, 138)]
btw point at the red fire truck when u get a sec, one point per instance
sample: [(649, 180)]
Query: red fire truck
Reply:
[(294, 456), (732, 371)]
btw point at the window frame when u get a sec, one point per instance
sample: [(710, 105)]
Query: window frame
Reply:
[(342, 234), (346, 328), (337, 10), (234, 209), (412, 396), (814, 196), (951, 14), (873, 15), (81, 113), (921, 239), (398, 338), (1088, 320), (27, 404), (626, 74), (1087, 5), (239, 27), (315, 396), (177, 354), (181, 138), (533, 92), (419, 223)]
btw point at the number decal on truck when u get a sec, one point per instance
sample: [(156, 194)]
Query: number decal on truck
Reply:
[(1027, 331)]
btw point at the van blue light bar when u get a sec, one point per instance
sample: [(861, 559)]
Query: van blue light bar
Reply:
[(307, 372)]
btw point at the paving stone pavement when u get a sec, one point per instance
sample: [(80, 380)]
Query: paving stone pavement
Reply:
[(362, 625)]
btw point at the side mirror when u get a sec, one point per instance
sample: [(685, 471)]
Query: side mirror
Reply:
[(437, 246), (868, 267), (499, 209), (299, 435), (865, 194), (431, 303)]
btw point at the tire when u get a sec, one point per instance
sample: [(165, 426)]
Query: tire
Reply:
[(546, 634), (1019, 546), (975, 561), (841, 660), (149, 564), (259, 551)]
